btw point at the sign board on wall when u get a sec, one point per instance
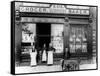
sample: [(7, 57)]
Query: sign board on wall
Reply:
[(52, 8)]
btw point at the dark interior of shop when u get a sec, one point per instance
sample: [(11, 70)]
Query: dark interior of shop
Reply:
[(43, 34)]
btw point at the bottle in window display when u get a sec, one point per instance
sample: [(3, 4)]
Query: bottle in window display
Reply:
[(84, 48), (84, 38), (78, 48), (72, 48), (78, 39), (84, 35)]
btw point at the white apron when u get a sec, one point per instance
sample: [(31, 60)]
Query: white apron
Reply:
[(50, 57), (33, 58), (44, 58)]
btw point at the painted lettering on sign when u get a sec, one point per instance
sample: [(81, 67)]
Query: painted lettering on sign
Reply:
[(55, 9), (43, 10), (78, 11), (58, 6)]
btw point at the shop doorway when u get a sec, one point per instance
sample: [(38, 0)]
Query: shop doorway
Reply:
[(43, 31)]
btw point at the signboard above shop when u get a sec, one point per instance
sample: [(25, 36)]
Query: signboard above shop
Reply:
[(53, 8)]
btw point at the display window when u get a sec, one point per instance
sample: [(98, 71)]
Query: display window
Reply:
[(57, 31), (78, 39)]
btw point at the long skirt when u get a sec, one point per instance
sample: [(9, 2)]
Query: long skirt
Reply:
[(33, 58), (50, 57), (44, 58)]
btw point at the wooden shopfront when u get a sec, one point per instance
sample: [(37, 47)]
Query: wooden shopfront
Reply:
[(66, 26)]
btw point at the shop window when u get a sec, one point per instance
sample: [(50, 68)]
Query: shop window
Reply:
[(57, 37), (28, 32), (28, 35), (78, 39)]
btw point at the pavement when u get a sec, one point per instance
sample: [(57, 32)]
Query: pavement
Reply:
[(25, 67), (37, 69), (85, 64), (45, 68)]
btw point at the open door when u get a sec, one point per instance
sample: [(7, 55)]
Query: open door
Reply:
[(43, 31)]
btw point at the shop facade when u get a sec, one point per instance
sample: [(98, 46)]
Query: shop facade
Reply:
[(68, 27)]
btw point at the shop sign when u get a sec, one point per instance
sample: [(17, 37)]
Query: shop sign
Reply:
[(78, 11), (43, 10), (55, 9)]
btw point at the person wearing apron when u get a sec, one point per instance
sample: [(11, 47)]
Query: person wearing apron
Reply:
[(44, 54), (50, 54), (33, 54)]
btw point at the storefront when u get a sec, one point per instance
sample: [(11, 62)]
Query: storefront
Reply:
[(66, 26)]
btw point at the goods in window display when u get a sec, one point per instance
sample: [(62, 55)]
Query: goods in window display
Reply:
[(84, 47), (72, 48), (57, 39)]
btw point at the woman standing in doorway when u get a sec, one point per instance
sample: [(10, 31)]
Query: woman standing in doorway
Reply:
[(50, 54), (44, 55), (33, 54)]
